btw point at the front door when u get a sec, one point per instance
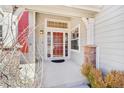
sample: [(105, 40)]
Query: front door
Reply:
[(58, 44)]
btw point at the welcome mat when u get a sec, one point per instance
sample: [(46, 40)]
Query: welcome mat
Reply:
[(58, 61)]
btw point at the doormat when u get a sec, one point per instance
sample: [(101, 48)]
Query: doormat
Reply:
[(58, 61)]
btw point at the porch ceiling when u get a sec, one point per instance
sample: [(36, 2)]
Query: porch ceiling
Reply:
[(65, 10), (93, 8)]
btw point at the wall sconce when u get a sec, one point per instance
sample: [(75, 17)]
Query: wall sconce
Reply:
[(41, 31)]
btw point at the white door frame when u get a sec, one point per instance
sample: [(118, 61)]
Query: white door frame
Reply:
[(56, 30), (51, 29)]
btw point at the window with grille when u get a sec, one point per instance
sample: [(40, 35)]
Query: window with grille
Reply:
[(54, 24), (75, 38)]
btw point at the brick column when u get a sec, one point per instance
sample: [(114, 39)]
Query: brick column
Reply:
[(90, 54)]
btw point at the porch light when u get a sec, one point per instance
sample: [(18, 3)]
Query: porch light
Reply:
[(41, 31)]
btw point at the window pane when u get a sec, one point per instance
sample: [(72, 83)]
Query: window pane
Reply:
[(74, 44), (75, 38)]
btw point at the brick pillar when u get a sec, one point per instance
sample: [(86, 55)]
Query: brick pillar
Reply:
[(90, 54)]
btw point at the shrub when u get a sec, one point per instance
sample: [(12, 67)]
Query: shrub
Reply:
[(86, 68), (115, 79), (95, 78), (93, 75)]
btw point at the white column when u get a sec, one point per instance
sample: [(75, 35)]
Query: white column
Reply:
[(91, 31), (89, 23)]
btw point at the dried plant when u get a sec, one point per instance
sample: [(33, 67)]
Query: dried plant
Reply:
[(12, 73), (86, 68), (115, 79), (95, 78), (93, 75)]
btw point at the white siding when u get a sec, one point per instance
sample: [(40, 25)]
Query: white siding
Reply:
[(109, 37)]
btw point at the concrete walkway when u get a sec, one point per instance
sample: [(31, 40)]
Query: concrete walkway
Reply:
[(63, 75)]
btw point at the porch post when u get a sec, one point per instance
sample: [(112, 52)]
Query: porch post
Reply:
[(90, 49), (89, 23), (32, 36)]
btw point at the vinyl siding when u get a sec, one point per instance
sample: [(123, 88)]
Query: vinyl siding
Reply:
[(109, 37)]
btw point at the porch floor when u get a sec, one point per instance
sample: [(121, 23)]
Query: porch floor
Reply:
[(61, 75)]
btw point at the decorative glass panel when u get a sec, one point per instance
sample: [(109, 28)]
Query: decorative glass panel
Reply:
[(48, 44), (66, 44)]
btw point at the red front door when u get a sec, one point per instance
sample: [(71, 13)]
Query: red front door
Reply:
[(57, 44)]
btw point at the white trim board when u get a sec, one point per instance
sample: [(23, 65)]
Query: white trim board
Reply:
[(60, 10)]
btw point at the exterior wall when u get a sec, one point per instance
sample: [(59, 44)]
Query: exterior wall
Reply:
[(40, 22), (109, 37), (32, 36), (78, 57), (39, 37)]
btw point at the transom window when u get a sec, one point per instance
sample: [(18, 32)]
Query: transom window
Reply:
[(58, 24)]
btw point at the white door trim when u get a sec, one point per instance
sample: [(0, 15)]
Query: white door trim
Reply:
[(51, 29), (54, 30)]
